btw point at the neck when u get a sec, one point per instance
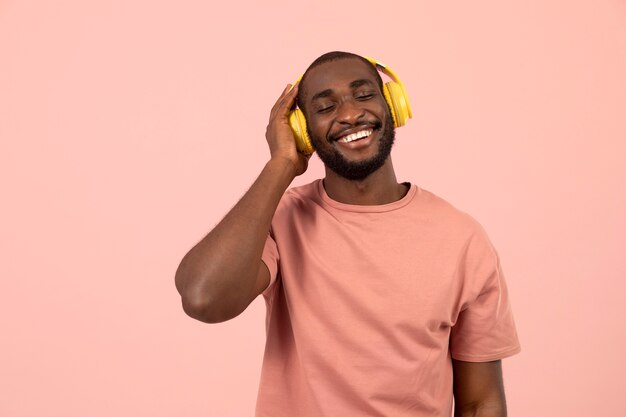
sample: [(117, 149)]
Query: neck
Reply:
[(380, 187)]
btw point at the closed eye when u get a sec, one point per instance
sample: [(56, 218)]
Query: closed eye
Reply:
[(325, 109), (365, 96)]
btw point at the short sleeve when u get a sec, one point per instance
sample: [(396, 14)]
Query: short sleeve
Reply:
[(270, 258), (485, 329)]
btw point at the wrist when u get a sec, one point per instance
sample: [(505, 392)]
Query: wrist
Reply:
[(283, 165)]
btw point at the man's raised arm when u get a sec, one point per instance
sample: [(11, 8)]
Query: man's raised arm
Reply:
[(222, 274)]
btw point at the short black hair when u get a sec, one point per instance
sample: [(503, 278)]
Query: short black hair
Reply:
[(334, 56)]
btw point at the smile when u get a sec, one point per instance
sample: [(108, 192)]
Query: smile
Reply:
[(356, 136)]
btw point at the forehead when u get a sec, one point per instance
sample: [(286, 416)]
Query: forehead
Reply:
[(337, 74)]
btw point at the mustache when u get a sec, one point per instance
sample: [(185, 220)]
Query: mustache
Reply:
[(377, 124)]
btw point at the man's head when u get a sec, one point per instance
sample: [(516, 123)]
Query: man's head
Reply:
[(330, 57), (348, 119)]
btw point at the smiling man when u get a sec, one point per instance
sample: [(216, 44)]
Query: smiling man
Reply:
[(334, 137), (382, 298)]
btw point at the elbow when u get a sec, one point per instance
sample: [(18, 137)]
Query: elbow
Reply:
[(194, 299), (200, 308), (204, 308), (204, 298)]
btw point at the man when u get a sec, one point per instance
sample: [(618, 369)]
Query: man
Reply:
[(382, 299)]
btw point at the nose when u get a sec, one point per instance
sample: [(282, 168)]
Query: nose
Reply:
[(349, 112)]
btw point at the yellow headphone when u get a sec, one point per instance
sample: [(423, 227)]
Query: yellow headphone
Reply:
[(395, 96)]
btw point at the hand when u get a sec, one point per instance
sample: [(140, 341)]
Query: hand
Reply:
[(279, 135)]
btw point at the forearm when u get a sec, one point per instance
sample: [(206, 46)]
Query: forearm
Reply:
[(478, 389), (488, 409), (221, 269)]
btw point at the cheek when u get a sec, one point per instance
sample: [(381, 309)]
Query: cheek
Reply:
[(317, 129), (383, 108)]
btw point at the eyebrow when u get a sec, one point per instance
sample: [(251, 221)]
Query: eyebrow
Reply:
[(354, 84), (359, 83)]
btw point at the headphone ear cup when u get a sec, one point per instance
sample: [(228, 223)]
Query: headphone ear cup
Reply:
[(298, 127), (394, 94), (390, 104)]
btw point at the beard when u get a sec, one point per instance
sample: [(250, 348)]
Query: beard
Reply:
[(358, 170)]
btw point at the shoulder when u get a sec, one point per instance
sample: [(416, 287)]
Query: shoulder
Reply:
[(445, 215), (476, 257), (306, 191), (301, 197)]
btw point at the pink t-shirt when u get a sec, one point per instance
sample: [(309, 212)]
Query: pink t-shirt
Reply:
[(368, 304)]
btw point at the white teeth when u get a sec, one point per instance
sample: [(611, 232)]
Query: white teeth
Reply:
[(357, 135)]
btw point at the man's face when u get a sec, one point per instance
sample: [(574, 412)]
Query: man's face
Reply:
[(348, 120)]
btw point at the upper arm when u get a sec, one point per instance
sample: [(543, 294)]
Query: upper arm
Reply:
[(478, 385), (260, 283), (262, 279), (239, 301)]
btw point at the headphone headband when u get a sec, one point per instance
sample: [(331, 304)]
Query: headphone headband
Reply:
[(391, 74)]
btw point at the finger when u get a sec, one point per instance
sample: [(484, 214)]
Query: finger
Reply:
[(281, 98), (287, 103), (293, 91), (290, 91)]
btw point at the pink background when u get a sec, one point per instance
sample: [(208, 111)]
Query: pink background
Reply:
[(129, 128)]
